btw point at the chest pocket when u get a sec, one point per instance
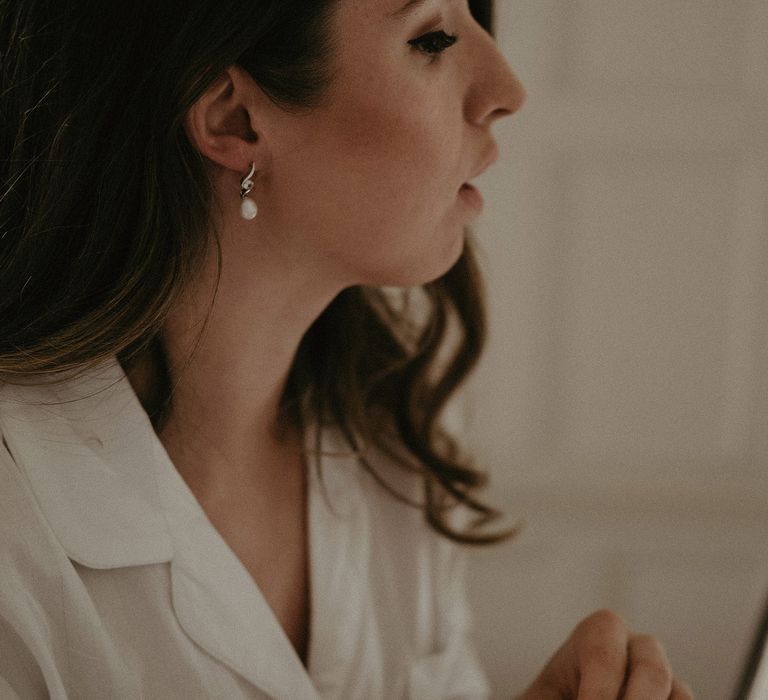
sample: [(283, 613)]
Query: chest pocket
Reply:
[(451, 674)]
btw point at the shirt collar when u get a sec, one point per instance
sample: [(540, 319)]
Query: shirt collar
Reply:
[(105, 486), (87, 449)]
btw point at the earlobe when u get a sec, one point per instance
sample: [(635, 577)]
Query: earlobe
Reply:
[(220, 124)]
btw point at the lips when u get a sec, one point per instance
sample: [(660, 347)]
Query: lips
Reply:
[(488, 159), (471, 196)]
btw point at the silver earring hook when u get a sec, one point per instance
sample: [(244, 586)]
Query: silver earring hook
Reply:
[(246, 184)]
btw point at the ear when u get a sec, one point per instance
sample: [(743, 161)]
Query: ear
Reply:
[(223, 123)]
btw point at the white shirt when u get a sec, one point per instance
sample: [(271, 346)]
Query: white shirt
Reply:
[(114, 584), (759, 689)]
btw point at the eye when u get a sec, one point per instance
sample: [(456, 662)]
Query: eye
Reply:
[(434, 43)]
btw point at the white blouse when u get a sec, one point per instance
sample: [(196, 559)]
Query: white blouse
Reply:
[(759, 688), (114, 584)]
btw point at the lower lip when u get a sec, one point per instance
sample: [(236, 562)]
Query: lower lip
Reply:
[(471, 195)]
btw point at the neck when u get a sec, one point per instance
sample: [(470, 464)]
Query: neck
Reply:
[(227, 366)]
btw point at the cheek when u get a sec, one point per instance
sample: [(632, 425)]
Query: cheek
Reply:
[(377, 179), (401, 151)]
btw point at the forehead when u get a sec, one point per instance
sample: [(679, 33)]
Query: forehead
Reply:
[(404, 9), (386, 11), (366, 30)]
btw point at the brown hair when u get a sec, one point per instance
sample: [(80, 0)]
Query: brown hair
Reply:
[(92, 154)]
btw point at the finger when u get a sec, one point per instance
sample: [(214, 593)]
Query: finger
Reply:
[(681, 691), (650, 673), (601, 643)]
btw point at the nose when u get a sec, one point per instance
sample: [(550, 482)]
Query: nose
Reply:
[(495, 91)]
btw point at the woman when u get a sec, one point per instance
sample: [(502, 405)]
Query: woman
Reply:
[(204, 211)]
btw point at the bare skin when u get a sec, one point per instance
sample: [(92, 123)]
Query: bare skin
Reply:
[(363, 190), (403, 149), (603, 660)]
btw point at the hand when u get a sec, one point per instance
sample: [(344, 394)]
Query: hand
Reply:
[(603, 660)]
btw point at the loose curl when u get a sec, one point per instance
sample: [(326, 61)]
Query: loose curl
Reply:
[(105, 217)]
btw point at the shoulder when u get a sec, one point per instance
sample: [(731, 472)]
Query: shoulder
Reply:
[(396, 490), (26, 542), (31, 558), (396, 500), (30, 595)]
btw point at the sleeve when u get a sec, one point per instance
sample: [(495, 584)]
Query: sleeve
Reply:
[(454, 671)]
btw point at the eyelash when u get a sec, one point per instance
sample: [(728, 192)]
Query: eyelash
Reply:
[(434, 43)]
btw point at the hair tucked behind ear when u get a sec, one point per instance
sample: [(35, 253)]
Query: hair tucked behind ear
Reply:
[(105, 217)]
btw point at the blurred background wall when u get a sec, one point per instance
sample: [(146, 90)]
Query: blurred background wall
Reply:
[(622, 406)]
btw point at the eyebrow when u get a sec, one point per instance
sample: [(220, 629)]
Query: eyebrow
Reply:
[(407, 9)]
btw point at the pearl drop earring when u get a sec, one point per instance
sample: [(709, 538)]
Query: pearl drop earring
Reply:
[(248, 208)]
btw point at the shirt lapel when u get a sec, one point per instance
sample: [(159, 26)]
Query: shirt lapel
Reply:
[(217, 602), (113, 498)]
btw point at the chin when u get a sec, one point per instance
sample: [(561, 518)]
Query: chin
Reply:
[(425, 268), (447, 261)]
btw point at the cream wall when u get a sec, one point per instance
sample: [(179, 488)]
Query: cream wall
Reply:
[(622, 406)]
